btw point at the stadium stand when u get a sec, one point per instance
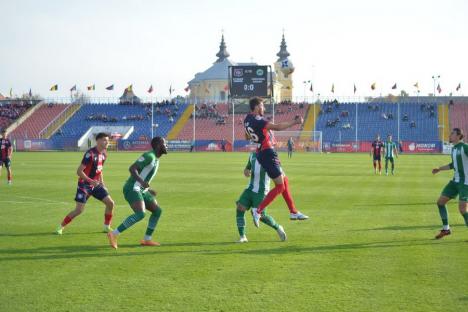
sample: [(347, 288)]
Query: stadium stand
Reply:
[(458, 112), (166, 115), (214, 121), (11, 111), (31, 127), (337, 121)]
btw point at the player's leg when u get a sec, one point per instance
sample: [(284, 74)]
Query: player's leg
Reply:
[(240, 222), (108, 213), (243, 204), (450, 191), (294, 214), (463, 208), (271, 222), (156, 211), (135, 199), (380, 165), (268, 159), (8, 169), (102, 194), (79, 208), (374, 162), (386, 165), (392, 160), (463, 204)]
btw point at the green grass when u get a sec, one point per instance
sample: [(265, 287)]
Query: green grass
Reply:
[(368, 247)]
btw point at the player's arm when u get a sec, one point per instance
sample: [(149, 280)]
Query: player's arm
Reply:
[(134, 173), (83, 176), (395, 150), (443, 168), (285, 124), (371, 151)]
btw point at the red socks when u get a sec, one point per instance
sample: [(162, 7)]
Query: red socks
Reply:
[(107, 219), (278, 189), (375, 165), (287, 196), (66, 221), (9, 176), (380, 166)]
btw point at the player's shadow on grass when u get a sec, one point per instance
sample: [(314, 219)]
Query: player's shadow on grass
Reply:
[(44, 234), (394, 204), (409, 228), (288, 249)]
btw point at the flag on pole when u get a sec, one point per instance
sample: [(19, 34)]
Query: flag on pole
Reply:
[(30, 92), (416, 85), (150, 89), (459, 87), (91, 88), (170, 89), (54, 88), (394, 87), (11, 92), (187, 89), (372, 86), (333, 88), (129, 88), (73, 88), (439, 89), (355, 89), (110, 88), (226, 87), (311, 87)]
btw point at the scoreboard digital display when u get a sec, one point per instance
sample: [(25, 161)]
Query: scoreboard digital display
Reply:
[(247, 81)]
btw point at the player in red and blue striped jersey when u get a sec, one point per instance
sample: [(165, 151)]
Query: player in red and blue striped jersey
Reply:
[(5, 155), (91, 183), (259, 130)]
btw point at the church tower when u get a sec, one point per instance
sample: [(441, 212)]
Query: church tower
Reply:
[(283, 69)]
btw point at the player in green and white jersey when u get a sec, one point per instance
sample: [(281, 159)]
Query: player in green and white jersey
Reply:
[(138, 194), (390, 152), (458, 186), (253, 195)]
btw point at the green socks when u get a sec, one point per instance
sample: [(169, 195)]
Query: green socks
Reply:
[(465, 216), (268, 220), (240, 219), (444, 216), (131, 220), (153, 222)]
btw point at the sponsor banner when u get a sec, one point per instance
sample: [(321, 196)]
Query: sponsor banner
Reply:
[(34, 145), (422, 147), (134, 145), (212, 146), (341, 147), (179, 145)]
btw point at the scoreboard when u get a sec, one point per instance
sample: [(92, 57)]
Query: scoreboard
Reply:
[(248, 81)]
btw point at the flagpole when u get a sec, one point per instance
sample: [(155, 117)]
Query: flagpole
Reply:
[(193, 117), (398, 121), (152, 119)]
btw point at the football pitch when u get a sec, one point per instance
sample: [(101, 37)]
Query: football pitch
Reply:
[(368, 246)]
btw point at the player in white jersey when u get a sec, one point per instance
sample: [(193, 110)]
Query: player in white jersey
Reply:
[(458, 186)]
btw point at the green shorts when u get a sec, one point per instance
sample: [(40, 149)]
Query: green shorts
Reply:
[(250, 199), (452, 189), (132, 196), (389, 159)]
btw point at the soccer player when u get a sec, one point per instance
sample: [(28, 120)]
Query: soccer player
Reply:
[(91, 183), (5, 155), (390, 151), (376, 152), (252, 196), (458, 186), (290, 147), (138, 194), (258, 130)]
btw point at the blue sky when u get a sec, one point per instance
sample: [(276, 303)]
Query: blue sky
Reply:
[(144, 42)]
